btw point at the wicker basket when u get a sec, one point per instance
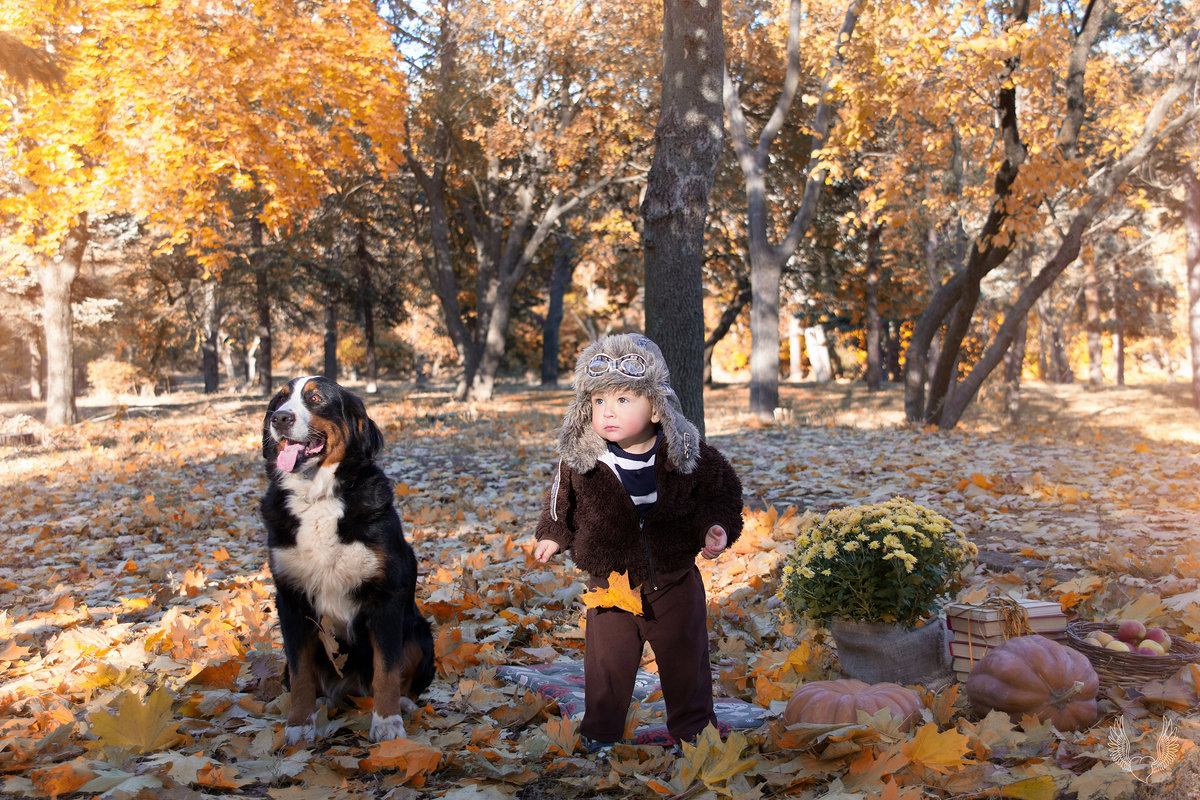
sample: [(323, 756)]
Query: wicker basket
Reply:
[(1129, 669)]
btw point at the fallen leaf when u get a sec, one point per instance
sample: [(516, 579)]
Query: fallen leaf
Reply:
[(941, 752), (618, 594), (137, 727), (416, 759)]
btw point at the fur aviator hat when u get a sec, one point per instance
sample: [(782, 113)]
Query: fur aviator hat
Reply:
[(629, 362)]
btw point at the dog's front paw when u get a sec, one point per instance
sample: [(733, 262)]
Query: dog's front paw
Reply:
[(295, 734), (386, 728)]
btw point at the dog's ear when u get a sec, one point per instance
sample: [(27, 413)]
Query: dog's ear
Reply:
[(364, 429)]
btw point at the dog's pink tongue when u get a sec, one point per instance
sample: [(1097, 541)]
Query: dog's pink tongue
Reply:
[(285, 459)]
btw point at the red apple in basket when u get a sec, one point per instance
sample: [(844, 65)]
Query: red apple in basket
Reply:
[(1131, 630)]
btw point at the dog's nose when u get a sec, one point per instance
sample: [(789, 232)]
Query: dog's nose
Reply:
[(283, 420)]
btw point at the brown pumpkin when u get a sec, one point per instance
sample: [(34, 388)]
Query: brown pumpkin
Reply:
[(1036, 675), (839, 701)]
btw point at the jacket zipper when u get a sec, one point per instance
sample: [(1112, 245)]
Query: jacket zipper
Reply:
[(649, 560)]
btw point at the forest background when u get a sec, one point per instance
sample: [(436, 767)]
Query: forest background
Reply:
[(457, 192)]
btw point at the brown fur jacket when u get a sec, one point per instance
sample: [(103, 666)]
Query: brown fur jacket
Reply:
[(592, 516)]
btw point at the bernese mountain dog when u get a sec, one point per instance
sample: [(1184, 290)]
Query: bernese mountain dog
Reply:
[(345, 578)]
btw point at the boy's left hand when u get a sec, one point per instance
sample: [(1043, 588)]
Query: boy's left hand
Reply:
[(714, 542)]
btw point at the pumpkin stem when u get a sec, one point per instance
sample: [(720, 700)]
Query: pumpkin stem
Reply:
[(1060, 699)]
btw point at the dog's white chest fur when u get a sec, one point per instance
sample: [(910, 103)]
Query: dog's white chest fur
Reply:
[(327, 569)]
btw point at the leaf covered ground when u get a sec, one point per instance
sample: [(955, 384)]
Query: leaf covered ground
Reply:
[(139, 655)]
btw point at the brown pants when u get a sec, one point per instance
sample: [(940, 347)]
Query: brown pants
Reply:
[(675, 622)]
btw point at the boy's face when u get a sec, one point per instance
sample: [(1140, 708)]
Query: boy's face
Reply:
[(625, 419)]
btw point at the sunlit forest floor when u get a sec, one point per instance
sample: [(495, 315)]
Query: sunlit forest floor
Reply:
[(139, 655)]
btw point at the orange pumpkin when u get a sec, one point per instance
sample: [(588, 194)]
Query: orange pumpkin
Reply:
[(839, 701), (1036, 675)]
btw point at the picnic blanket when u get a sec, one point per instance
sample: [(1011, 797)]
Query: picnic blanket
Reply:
[(563, 681)]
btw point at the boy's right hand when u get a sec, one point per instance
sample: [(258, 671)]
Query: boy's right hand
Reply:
[(545, 548)]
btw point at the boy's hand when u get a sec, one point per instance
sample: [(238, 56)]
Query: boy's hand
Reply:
[(714, 542), (545, 548)]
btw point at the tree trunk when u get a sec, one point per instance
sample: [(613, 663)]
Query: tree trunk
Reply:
[(440, 269), (874, 330), (687, 147), (893, 351), (366, 299), (57, 277), (795, 348), (332, 295), (494, 343), (210, 321), (1014, 360), (987, 252), (766, 259), (766, 275), (560, 279), (1191, 222), (227, 348), (916, 358), (816, 344), (35, 366), (1095, 340), (262, 303)]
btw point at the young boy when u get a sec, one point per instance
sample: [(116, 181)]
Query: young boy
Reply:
[(638, 492)]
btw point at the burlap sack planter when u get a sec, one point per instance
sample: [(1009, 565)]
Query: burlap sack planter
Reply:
[(875, 652)]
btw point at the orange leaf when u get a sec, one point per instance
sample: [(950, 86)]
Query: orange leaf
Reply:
[(563, 734), (416, 759), (218, 776), (982, 481), (61, 779), (619, 594), (222, 675), (220, 554)]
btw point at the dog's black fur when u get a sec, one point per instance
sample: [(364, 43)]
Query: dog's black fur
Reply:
[(341, 565)]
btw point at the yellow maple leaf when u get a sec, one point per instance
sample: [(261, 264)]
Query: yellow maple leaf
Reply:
[(1038, 788), (712, 761), (940, 752), (619, 594), (563, 735), (138, 726)]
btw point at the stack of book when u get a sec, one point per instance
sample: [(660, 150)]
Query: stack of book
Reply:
[(976, 629)]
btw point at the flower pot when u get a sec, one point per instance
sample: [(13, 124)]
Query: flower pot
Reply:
[(875, 652)]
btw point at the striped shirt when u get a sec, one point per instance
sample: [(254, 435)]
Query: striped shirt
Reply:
[(636, 472)]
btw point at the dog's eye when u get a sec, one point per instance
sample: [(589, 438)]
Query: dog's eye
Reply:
[(316, 398)]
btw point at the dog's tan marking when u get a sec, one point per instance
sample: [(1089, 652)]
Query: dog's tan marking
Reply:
[(336, 436), (304, 685), (389, 690), (410, 662)]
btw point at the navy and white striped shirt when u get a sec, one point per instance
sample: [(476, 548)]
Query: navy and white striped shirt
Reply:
[(636, 471)]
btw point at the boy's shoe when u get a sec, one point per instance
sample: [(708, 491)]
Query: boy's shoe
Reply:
[(596, 749)]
